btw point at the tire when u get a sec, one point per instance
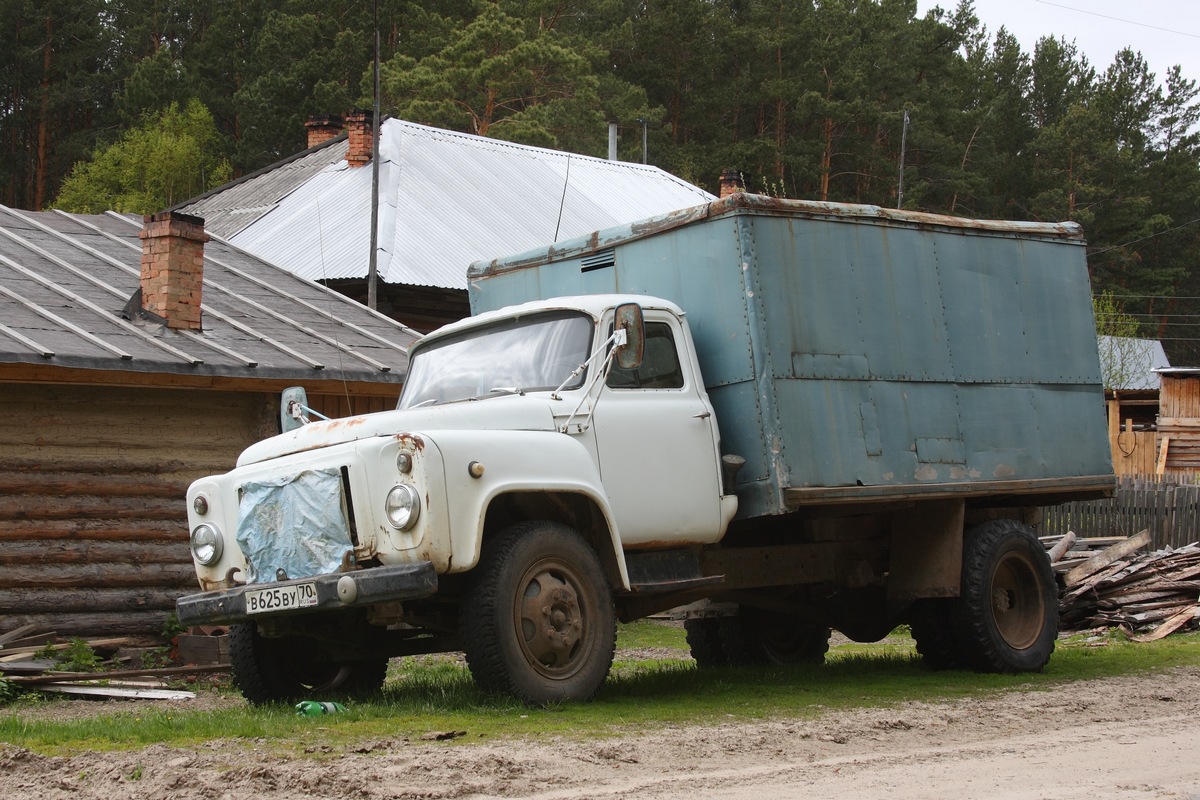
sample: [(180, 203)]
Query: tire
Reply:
[(1006, 619), (291, 668), (704, 640), (756, 637), (539, 623), (932, 623), (784, 640)]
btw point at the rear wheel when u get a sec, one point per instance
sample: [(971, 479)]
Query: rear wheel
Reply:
[(1006, 619), (293, 667), (539, 622)]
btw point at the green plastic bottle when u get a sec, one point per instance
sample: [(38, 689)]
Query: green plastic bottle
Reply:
[(315, 708)]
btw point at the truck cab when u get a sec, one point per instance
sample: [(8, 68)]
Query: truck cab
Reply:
[(539, 414)]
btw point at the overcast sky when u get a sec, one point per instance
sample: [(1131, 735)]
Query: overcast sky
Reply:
[(1166, 32)]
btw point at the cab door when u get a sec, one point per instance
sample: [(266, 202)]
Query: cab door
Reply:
[(656, 439)]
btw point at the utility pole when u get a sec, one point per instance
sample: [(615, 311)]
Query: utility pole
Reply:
[(644, 123), (372, 265), (903, 144)]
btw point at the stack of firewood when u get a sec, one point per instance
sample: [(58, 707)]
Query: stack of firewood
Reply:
[(1107, 583)]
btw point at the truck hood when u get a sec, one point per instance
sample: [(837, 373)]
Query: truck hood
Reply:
[(514, 413)]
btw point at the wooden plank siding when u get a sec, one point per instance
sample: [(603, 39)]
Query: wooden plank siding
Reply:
[(93, 524), (1179, 425), (1134, 453)]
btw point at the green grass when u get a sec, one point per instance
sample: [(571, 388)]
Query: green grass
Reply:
[(432, 694)]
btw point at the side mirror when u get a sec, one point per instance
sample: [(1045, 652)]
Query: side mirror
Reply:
[(291, 408), (628, 317)]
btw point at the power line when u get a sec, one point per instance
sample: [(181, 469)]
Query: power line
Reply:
[(1118, 19), (1144, 238)]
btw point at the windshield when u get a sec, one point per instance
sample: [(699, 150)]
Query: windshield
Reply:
[(519, 355)]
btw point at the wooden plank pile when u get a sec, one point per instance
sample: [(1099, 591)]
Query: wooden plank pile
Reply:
[(1106, 583), (26, 661)]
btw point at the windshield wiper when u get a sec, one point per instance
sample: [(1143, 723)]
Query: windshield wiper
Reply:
[(499, 390)]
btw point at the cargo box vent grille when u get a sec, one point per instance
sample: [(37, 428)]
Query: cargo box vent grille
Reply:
[(600, 260)]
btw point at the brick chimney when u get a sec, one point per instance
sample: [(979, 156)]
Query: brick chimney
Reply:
[(731, 182), (358, 126), (173, 267), (322, 128)]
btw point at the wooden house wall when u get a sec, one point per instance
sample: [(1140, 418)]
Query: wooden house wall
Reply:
[(1134, 453), (93, 524), (1179, 426), (1132, 417), (342, 405)]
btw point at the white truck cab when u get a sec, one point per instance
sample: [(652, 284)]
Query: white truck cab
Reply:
[(512, 417)]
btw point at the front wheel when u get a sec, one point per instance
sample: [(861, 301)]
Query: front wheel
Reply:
[(539, 622), (1006, 619)]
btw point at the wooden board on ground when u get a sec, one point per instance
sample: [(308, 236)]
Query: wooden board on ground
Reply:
[(1107, 556)]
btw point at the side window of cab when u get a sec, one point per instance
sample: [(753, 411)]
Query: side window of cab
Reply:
[(660, 364)]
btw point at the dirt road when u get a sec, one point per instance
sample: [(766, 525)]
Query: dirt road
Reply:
[(1132, 737)]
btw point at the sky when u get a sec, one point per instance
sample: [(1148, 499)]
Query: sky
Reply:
[(1166, 32)]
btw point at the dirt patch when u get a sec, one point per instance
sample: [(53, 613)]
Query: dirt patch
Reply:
[(1130, 737)]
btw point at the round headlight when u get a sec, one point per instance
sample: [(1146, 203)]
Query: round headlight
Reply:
[(404, 462), (403, 506), (200, 504), (206, 544)]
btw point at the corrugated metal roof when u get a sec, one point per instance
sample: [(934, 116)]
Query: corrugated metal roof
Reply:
[(65, 280), (446, 199), (228, 209), (1134, 363)]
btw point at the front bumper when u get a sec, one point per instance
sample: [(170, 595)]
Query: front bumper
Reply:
[(375, 585)]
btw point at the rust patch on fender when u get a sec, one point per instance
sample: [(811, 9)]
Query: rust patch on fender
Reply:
[(411, 440), (345, 422)]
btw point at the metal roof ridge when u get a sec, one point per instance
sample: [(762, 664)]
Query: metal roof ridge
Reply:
[(504, 144)]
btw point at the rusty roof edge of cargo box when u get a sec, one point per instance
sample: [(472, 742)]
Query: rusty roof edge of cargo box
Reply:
[(743, 202)]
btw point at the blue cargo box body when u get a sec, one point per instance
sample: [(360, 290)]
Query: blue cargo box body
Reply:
[(856, 354)]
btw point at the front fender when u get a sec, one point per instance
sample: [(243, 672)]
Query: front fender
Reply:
[(513, 461)]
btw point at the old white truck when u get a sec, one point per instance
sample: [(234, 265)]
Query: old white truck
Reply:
[(782, 417)]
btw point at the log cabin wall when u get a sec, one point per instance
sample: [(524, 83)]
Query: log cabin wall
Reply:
[(93, 523), (342, 405)]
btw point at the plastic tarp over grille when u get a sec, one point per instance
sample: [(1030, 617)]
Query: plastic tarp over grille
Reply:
[(272, 515)]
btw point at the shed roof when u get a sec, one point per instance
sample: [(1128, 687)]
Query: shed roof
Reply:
[(66, 279), (1134, 363), (446, 199)]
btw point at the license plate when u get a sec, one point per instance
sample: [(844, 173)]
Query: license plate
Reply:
[(281, 598)]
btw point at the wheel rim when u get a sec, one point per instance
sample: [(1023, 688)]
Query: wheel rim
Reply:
[(551, 618), (1017, 603)]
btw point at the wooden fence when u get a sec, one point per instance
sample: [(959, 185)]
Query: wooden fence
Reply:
[(1168, 508)]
